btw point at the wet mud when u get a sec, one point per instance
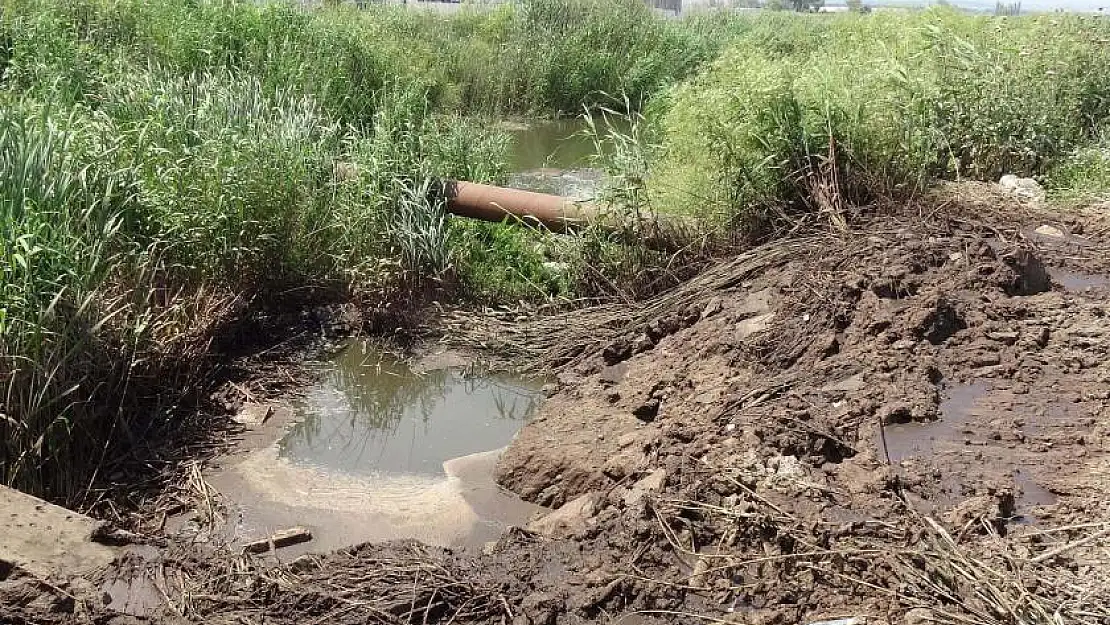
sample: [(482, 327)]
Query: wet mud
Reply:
[(379, 449), (903, 424), (833, 402), (464, 508)]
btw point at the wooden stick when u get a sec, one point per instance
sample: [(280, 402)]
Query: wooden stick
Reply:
[(1048, 555), (277, 540)]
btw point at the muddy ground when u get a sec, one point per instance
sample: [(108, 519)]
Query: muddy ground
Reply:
[(905, 423)]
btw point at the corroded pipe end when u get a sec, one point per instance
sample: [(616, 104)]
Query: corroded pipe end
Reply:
[(561, 215), (490, 203)]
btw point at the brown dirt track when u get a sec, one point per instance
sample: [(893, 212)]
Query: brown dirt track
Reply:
[(906, 423)]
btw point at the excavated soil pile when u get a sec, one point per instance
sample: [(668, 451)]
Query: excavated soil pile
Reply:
[(869, 425), (908, 423)]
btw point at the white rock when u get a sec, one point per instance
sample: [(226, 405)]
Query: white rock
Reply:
[(750, 326), (1024, 188), (258, 414), (1049, 231), (628, 439), (652, 483)]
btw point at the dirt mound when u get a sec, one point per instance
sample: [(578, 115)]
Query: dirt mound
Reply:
[(906, 424), (840, 430)]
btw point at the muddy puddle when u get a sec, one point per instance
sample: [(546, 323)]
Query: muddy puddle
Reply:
[(558, 157), (381, 450), (961, 434), (907, 440), (1078, 281)]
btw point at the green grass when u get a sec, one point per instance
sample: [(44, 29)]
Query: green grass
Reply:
[(803, 112), (63, 215), (540, 57), (1084, 176)]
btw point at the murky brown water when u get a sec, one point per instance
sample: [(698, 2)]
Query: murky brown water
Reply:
[(558, 157), (380, 451), (373, 414), (960, 405), (556, 144), (904, 440), (1075, 281)]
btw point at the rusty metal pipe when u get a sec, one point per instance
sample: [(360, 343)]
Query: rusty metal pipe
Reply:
[(490, 203), (561, 215)]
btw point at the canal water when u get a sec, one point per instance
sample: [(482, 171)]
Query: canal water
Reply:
[(379, 449), (559, 156)]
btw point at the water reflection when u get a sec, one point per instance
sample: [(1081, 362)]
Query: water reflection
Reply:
[(564, 143), (560, 156), (371, 413)]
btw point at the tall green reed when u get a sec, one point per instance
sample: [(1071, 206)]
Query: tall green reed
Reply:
[(62, 217), (862, 108)]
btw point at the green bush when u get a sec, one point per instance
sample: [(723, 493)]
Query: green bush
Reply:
[(854, 108), (63, 214), (1083, 177)]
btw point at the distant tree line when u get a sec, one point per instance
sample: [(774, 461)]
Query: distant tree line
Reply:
[(796, 5), (803, 6)]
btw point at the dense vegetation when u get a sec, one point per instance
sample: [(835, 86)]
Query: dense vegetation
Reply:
[(164, 162), (807, 112)]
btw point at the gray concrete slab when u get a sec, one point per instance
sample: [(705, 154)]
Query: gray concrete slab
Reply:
[(47, 540)]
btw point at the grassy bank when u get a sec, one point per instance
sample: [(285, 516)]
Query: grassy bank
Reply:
[(164, 164), (132, 231), (805, 113), (161, 163)]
